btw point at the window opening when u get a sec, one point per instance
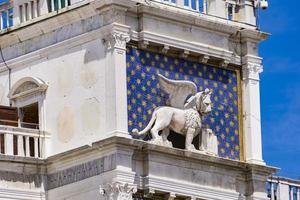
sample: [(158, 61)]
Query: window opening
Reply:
[(170, 1), (230, 11), (29, 116), (54, 5)]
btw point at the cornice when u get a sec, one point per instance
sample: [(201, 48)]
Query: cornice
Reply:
[(6, 193), (124, 143), (211, 23), (198, 48)]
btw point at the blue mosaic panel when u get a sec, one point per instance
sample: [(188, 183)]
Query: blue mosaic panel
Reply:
[(144, 94)]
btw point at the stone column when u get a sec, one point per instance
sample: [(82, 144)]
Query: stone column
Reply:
[(216, 8), (35, 9), (20, 146), (42, 7), (291, 194), (116, 191), (283, 190), (27, 146), (115, 40), (9, 144), (247, 12), (36, 147), (272, 191), (251, 109), (24, 17)]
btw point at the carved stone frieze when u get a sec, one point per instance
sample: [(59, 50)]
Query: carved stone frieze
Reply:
[(251, 71), (80, 172), (117, 191)]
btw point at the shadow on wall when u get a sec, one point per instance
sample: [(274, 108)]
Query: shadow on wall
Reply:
[(36, 179)]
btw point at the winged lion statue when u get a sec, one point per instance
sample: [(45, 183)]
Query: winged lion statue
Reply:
[(182, 114)]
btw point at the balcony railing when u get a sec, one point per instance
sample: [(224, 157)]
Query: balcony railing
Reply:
[(279, 188), (54, 5), (20, 11), (29, 10), (229, 10), (24, 142), (195, 5)]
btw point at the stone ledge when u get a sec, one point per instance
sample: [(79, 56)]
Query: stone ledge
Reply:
[(143, 146)]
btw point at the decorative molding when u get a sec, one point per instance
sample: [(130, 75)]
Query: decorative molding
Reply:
[(43, 51), (27, 86), (224, 63), (81, 172), (181, 188), (143, 44), (165, 49), (251, 71), (117, 191), (185, 45), (22, 194), (116, 40), (115, 37), (170, 196), (204, 59), (185, 54)]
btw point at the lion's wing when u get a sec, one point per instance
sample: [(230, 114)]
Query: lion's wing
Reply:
[(178, 90)]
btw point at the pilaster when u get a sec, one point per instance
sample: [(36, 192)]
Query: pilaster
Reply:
[(257, 180), (115, 39), (251, 109)]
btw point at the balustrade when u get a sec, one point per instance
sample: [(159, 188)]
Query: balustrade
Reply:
[(233, 10), (21, 141), (54, 5), (26, 10), (280, 188), (29, 10)]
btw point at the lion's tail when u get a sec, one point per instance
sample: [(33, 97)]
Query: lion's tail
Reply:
[(148, 127)]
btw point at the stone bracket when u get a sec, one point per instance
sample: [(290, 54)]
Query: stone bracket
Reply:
[(204, 59)]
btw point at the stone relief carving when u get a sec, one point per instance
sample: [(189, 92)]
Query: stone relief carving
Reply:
[(180, 115), (252, 71), (116, 40), (116, 191)]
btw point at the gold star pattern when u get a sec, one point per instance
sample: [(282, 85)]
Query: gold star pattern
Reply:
[(144, 94)]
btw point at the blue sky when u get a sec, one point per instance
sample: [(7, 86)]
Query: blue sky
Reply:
[(280, 86)]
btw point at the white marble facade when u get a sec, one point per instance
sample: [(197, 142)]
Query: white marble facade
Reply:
[(78, 57)]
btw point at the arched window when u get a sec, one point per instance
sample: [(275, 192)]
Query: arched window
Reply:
[(28, 96)]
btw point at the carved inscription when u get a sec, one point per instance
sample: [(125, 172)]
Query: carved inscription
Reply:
[(81, 172)]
